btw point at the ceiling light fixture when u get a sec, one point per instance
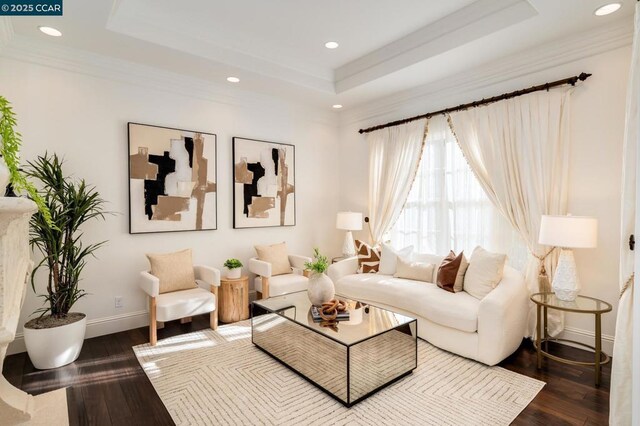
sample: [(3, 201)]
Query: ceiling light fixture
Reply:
[(50, 31), (331, 45), (337, 106), (607, 9), (233, 79)]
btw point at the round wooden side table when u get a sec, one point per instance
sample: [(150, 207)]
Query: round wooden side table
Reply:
[(234, 299), (582, 305)]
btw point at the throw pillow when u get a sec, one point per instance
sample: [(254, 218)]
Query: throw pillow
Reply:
[(428, 258), (277, 256), (368, 258), (451, 272), (414, 270), (174, 270), (484, 272), (389, 258)]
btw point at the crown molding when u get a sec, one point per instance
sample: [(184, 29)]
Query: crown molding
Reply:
[(78, 61), (6, 31), (578, 46)]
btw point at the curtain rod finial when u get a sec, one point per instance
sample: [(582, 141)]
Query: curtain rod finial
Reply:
[(583, 76)]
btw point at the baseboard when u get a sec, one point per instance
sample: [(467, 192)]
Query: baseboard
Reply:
[(96, 327), (588, 338)]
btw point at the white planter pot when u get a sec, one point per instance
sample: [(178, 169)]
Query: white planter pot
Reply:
[(4, 176), (320, 289), (234, 274), (57, 346)]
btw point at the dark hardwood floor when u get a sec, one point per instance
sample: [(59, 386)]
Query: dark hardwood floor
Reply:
[(106, 385)]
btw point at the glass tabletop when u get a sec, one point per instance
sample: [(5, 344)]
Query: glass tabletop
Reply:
[(365, 320), (581, 304)]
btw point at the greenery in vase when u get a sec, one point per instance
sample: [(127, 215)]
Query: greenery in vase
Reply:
[(320, 263), (232, 264), (71, 203), (10, 151)]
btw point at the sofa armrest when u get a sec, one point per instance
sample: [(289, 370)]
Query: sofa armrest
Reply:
[(149, 284), (502, 318), (207, 275), (298, 262), (260, 267), (344, 267)]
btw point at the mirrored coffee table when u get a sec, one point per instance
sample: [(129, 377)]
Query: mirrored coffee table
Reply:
[(350, 361)]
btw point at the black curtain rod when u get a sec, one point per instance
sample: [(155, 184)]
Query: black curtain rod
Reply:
[(571, 80)]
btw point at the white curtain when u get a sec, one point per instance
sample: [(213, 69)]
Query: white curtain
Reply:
[(447, 209), (394, 155), (519, 151), (620, 410)]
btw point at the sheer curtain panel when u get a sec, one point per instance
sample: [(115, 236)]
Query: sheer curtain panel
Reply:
[(519, 151), (394, 155)]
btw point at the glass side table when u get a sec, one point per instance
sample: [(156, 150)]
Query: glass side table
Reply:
[(582, 305)]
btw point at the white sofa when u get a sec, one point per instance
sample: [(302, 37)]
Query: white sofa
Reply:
[(487, 330)]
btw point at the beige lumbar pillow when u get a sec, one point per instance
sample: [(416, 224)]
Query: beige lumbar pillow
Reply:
[(484, 272), (414, 270), (276, 255), (174, 270)]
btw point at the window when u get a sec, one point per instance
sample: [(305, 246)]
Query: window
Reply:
[(447, 209)]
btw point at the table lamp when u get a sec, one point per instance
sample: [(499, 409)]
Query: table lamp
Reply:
[(349, 221), (568, 232)]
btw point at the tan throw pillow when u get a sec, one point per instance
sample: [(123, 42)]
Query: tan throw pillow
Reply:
[(368, 258), (414, 270), (484, 272), (451, 272), (277, 256), (174, 270)]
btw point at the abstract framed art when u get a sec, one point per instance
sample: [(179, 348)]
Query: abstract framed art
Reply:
[(263, 184), (172, 179)]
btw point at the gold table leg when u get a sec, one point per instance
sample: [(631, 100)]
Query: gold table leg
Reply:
[(539, 334), (598, 351)]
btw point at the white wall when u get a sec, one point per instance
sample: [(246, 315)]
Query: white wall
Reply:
[(597, 122), (84, 118)]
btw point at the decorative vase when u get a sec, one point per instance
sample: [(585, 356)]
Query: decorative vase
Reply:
[(56, 346), (320, 289), (4, 177), (234, 274)]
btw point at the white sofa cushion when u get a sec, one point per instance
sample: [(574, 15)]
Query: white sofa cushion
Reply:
[(184, 303), (484, 272), (389, 258), (455, 310), (282, 284)]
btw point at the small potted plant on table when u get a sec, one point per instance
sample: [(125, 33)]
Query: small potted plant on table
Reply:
[(234, 268)]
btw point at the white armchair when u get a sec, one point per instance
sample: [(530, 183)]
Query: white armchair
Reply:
[(267, 285), (182, 304)]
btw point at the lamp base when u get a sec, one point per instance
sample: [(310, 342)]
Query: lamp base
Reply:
[(348, 247), (566, 284)]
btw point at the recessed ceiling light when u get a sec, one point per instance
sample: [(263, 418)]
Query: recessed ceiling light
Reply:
[(337, 106), (607, 9), (233, 79), (50, 31), (331, 44)]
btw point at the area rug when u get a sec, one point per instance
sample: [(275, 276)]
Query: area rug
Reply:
[(218, 377)]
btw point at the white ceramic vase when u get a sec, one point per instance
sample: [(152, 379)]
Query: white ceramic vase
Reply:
[(320, 289), (57, 346), (4, 177), (234, 274)]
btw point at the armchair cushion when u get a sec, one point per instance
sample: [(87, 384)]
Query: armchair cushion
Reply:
[(174, 270), (186, 303), (276, 255), (281, 284)]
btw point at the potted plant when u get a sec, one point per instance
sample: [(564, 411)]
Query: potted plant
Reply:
[(10, 173), (234, 268), (55, 338), (321, 287)]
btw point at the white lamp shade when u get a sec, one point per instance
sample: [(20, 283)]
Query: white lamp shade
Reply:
[(349, 221), (569, 231)]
